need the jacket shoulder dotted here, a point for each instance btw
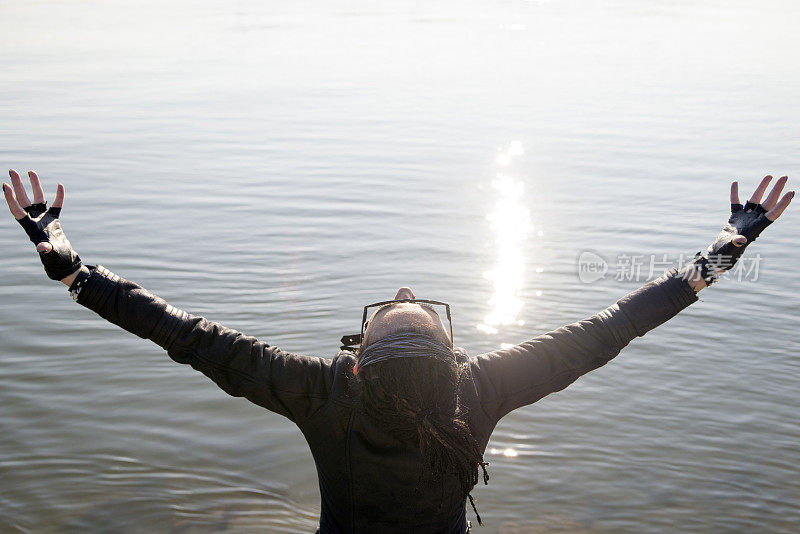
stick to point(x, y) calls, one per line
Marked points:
point(344, 379)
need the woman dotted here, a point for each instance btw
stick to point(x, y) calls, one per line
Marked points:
point(398, 420)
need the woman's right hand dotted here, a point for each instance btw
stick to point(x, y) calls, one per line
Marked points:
point(60, 261)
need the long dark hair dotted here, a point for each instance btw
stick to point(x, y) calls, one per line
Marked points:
point(417, 401)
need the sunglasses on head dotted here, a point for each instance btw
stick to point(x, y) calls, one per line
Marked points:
point(353, 342)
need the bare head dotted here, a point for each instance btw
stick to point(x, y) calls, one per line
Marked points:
point(405, 317)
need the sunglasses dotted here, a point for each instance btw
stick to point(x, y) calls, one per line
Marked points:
point(353, 342)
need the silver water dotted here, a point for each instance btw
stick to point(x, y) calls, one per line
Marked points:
point(275, 166)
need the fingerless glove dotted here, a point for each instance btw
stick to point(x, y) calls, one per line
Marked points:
point(748, 220)
point(42, 226)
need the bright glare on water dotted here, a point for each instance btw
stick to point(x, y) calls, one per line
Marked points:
point(509, 220)
point(275, 166)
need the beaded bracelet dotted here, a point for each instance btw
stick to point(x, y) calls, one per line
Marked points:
point(708, 273)
point(78, 283)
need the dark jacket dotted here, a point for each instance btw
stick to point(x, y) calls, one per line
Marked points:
point(369, 481)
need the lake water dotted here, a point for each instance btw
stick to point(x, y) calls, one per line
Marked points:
point(275, 166)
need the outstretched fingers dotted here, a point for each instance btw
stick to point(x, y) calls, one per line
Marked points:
point(735, 193)
point(759, 192)
point(36, 186)
point(19, 189)
point(55, 209)
point(774, 195)
point(59, 201)
point(775, 212)
point(13, 205)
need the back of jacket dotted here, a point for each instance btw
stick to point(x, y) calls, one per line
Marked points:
point(370, 482)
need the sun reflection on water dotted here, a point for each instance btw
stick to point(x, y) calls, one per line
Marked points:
point(510, 222)
point(508, 453)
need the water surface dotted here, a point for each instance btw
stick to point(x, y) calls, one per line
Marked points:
point(276, 166)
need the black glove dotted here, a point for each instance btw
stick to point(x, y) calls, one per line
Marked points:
point(723, 254)
point(42, 226)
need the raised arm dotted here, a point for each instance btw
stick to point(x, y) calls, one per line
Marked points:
point(290, 384)
point(510, 378)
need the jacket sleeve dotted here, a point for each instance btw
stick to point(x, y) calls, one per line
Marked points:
point(290, 384)
point(510, 378)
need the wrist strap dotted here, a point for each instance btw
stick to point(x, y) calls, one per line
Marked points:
point(707, 271)
point(79, 282)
